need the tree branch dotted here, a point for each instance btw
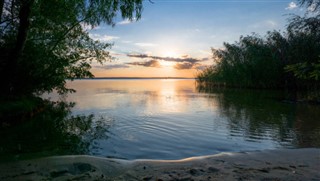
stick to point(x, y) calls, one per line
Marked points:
point(67, 32)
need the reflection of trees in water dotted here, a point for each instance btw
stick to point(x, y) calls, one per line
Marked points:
point(256, 114)
point(307, 125)
point(53, 132)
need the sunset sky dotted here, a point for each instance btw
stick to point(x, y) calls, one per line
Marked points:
point(174, 37)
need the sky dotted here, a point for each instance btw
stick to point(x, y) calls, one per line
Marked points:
point(174, 38)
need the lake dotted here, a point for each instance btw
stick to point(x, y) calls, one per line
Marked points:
point(170, 119)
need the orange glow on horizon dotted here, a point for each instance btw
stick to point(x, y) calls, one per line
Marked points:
point(165, 71)
point(167, 64)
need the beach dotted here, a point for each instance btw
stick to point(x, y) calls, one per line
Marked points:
point(267, 165)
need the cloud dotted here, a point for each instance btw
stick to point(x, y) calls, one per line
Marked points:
point(139, 55)
point(170, 59)
point(126, 21)
point(151, 63)
point(185, 65)
point(113, 66)
point(291, 6)
point(146, 44)
point(271, 23)
point(103, 38)
point(86, 26)
point(185, 62)
point(265, 24)
point(89, 27)
point(126, 41)
point(205, 59)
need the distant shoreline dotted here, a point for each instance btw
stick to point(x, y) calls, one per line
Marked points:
point(135, 78)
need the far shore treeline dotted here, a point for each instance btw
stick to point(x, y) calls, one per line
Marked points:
point(287, 60)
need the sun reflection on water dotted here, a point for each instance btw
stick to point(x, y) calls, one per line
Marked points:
point(164, 95)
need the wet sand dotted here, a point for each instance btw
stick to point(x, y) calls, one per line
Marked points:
point(268, 165)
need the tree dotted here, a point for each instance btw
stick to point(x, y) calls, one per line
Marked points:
point(41, 45)
point(251, 62)
point(281, 60)
point(313, 5)
point(304, 39)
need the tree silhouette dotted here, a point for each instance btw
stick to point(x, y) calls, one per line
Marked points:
point(288, 60)
point(45, 42)
point(313, 5)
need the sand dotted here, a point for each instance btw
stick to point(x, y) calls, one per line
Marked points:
point(268, 165)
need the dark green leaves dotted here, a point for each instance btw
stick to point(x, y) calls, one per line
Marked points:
point(280, 60)
point(57, 45)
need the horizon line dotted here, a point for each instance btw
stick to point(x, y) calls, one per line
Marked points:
point(139, 78)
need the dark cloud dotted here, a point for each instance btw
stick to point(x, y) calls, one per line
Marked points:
point(186, 65)
point(185, 62)
point(205, 59)
point(114, 66)
point(151, 63)
point(170, 59)
point(138, 55)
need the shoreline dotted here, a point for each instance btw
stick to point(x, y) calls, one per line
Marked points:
point(282, 164)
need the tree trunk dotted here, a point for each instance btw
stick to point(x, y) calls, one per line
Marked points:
point(1, 9)
point(24, 19)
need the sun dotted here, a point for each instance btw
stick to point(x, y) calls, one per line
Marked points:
point(168, 53)
point(171, 54)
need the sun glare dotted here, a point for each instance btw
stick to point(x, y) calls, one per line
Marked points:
point(171, 54)
point(168, 53)
point(166, 63)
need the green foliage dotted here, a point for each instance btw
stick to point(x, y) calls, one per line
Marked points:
point(56, 45)
point(313, 5)
point(20, 106)
point(251, 62)
point(287, 60)
point(305, 71)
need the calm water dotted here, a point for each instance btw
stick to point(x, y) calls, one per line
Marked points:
point(173, 119)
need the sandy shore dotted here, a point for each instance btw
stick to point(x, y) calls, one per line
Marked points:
point(269, 165)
